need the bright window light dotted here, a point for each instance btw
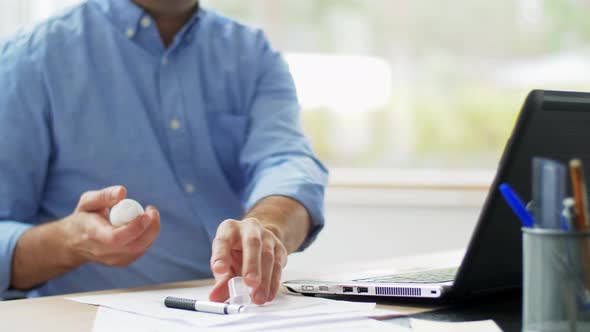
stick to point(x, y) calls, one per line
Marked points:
point(341, 83)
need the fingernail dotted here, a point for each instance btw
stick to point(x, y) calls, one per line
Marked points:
point(218, 265)
point(260, 297)
point(252, 277)
point(145, 221)
point(115, 192)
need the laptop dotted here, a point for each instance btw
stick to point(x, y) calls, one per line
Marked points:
point(551, 124)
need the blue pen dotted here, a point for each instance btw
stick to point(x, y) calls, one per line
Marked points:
point(517, 205)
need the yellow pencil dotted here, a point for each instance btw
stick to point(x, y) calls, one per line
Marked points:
point(580, 194)
point(581, 208)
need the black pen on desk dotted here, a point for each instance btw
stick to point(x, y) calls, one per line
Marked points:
point(203, 306)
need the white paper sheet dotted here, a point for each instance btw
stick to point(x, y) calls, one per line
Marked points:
point(419, 325)
point(110, 320)
point(283, 309)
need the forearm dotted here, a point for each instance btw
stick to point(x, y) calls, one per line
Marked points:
point(285, 217)
point(41, 254)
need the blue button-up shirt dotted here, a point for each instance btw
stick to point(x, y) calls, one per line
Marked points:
point(202, 129)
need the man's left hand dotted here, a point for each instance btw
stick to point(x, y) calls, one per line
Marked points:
point(247, 248)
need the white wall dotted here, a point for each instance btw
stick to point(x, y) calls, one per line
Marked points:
point(378, 224)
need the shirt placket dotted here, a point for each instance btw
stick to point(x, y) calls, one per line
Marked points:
point(177, 129)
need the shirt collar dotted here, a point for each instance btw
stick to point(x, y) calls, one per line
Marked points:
point(126, 15)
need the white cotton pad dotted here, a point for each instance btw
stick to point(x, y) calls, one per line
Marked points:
point(124, 212)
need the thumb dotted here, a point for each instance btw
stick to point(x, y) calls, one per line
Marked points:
point(220, 292)
point(97, 201)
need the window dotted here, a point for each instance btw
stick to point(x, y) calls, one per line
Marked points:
point(421, 84)
point(393, 84)
point(16, 14)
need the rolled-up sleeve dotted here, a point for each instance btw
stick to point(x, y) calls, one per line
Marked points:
point(277, 158)
point(10, 232)
point(24, 150)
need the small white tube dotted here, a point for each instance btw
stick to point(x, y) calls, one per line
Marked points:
point(239, 292)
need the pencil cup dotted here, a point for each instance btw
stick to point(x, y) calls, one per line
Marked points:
point(556, 294)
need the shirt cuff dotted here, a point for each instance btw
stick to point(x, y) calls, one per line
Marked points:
point(10, 232)
point(311, 196)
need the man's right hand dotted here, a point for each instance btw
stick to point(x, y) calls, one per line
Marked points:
point(92, 238)
point(46, 251)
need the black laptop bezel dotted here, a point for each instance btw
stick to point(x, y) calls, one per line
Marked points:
point(475, 265)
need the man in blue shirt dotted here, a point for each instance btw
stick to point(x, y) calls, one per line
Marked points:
point(169, 104)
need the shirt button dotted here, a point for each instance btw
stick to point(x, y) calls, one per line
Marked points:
point(174, 124)
point(146, 22)
point(165, 61)
point(130, 32)
point(189, 188)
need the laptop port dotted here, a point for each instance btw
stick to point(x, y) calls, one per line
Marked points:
point(362, 290)
point(323, 288)
point(346, 289)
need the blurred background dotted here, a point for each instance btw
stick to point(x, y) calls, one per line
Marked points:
point(407, 84)
point(408, 102)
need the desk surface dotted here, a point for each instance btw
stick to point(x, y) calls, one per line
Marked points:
point(54, 313)
point(58, 314)
point(505, 310)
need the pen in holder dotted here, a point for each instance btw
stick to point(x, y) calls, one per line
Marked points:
point(556, 293)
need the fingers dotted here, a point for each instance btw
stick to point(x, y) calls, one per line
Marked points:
point(281, 255)
point(228, 234)
point(251, 234)
point(275, 282)
point(121, 236)
point(280, 262)
point(120, 246)
point(98, 201)
point(248, 249)
point(267, 260)
point(93, 238)
point(147, 238)
point(220, 291)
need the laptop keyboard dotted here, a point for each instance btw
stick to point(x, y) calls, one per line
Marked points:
point(430, 276)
